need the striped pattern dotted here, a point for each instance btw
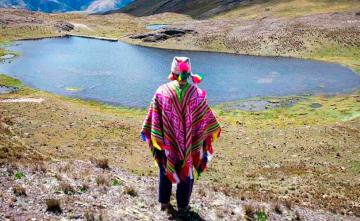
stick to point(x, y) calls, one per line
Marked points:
point(180, 128)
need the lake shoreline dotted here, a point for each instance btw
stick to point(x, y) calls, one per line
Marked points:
point(140, 44)
point(260, 98)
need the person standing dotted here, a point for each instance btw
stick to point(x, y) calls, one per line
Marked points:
point(180, 128)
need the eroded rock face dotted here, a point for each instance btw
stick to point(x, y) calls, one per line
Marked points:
point(64, 26)
point(162, 34)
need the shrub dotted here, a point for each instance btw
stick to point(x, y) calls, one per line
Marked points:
point(66, 188)
point(130, 191)
point(116, 182)
point(19, 175)
point(297, 216)
point(277, 209)
point(288, 204)
point(202, 192)
point(19, 191)
point(84, 187)
point(103, 163)
point(53, 205)
point(261, 215)
point(249, 211)
point(65, 168)
point(102, 181)
point(41, 167)
point(89, 215)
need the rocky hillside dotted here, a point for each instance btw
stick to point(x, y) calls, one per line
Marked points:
point(237, 8)
point(65, 5)
point(297, 164)
point(198, 8)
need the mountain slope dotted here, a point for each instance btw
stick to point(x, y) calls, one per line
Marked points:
point(65, 5)
point(194, 8)
point(238, 8)
point(106, 5)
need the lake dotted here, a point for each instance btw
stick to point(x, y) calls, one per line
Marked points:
point(122, 74)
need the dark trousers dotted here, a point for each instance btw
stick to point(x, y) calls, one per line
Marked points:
point(183, 190)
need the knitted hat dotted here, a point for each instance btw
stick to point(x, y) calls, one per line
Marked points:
point(180, 65)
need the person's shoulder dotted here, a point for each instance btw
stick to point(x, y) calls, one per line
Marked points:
point(162, 89)
point(198, 92)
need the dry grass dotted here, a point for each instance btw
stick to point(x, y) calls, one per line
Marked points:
point(297, 216)
point(102, 180)
point(131, 191)
point(19, 190)
point(249, 211)
point(202, 192)
point(65, 168)
point(285, 8)
point(53, 205)
point(84, 187)
point(103, 164)
point(40, 167)
point(89, 215)
point(245, 152)
point(67, 188)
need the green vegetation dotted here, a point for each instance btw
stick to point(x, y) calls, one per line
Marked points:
point(356, 166)
point(106, 108)
point(84, 188)
point(27, 32)
point(333, 109)
point(117, 182)
point(337, 53)
point(9, 81)
point(261, 216)
point(2, 52)
point(19, 175)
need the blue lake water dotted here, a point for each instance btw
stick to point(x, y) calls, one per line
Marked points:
point(123, 74)
point(156, 27)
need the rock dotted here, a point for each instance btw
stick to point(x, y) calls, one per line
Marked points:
point(162, 34)
point(64, 26)
point(155, 38)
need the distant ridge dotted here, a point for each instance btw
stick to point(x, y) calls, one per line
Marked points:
point(50, 6)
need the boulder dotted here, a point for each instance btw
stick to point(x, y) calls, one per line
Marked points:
point(162, 34)
point(64, 26)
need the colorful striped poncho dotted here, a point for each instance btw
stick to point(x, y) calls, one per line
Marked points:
point(179, 129)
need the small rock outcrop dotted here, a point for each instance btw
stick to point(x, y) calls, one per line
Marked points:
point(64, 26)
point(162, 34)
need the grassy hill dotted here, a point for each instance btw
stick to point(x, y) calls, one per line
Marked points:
point(289, 8)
